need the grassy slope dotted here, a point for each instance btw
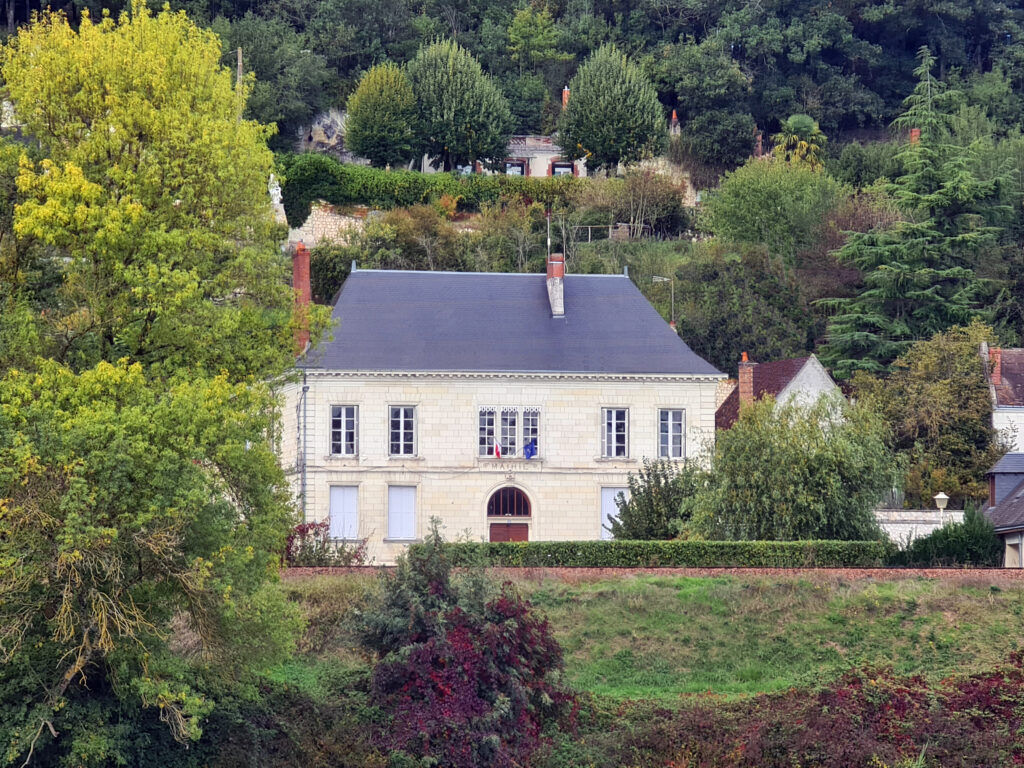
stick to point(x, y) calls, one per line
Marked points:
point(659, 637)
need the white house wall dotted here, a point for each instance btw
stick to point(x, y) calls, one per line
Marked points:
point(563, 483)
point(1010, 421)
point(809, 384)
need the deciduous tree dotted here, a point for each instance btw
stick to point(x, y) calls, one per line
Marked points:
point(154, 189)
point(462, 116)
point(382, 117)
point(938, 404)
point(794, 472)
point(613, 115)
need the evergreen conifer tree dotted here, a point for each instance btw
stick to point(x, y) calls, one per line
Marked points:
point(919, 274)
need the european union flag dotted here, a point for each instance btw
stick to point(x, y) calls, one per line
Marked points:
point(530, 449)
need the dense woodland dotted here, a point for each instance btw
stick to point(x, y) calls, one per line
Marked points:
point(725, 65)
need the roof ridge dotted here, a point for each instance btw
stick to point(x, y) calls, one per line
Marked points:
point(360, 270)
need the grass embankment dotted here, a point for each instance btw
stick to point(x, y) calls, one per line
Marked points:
point(659, 637)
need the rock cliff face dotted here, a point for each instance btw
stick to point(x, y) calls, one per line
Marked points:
point(327, 135)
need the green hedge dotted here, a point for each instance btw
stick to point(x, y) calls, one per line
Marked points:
point(691, 554)
point(312, 176)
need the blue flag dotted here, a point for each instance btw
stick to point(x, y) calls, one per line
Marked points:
point(530, 449)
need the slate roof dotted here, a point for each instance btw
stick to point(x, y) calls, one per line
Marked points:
point(1011, 464)
point(1011, 388)
point(498, 322)
point(1008, 514)
point(769, 379)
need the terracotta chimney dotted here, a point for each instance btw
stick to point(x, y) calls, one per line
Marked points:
point(565, 97)
point(303, 294)
point(746, 377)
point(556, 278)
point(995, 361)
point(915, 135)
point(673, 125)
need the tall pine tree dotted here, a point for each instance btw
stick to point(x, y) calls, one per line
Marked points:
point(919, 274)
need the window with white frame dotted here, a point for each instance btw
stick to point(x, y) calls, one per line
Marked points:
point(671, 431)
point(402, 512)
point(344, 430)
point(403, 430)
point(615, 432)
point(509, 431)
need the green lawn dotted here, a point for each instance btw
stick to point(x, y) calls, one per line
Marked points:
point(659, 637)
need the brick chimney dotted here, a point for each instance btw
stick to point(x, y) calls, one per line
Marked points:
point(556, 278)
point(565, 97)
point(915, 135)
point(746, 377)
point(303, 295)
point(995, 360)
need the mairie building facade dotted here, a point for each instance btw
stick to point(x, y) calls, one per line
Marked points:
point(509, 406)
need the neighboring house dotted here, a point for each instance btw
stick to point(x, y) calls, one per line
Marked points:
point(528, 156)
point(801, 379)
point(1006, 506)
point(1006, 384)
point(509, 406)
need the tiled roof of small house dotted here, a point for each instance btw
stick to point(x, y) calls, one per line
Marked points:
point(1010, 463)
point(498, 322)
point(1008, 514)
point(1010, 390)
point(769, 379)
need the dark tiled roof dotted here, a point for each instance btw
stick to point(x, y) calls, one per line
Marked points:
point(1011, 463)
point(1011, 388)
point(769, 379)
point(473, 321)
point(1008, 514)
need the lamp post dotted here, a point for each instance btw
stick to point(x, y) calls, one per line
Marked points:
point(941, 500)
point(672, 289)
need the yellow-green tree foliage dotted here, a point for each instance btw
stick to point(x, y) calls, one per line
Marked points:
point(142, 508)
point(381, 116)
point(154, 189)
point(938, 403)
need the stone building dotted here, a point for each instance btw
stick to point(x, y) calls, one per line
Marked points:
point(801, 380)
point(509, 406)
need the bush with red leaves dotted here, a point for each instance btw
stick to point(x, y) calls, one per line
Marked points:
point(470, 678)
point(866, 719)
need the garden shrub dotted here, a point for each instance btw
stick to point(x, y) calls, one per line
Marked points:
point(310, 545)
point(971, 542)
point(470, 678)
point(869, 718)
point(312, 176)
point(680, 554)
point(656, 493)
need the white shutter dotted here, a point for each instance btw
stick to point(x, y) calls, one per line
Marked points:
point(401, 512)
point(344, 512)
point(609, 509)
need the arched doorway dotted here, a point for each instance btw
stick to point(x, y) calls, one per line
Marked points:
point(508, 509)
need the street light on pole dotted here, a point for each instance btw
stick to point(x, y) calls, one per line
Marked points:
point(672, 289)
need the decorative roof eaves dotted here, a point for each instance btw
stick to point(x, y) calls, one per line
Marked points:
point(553, 375)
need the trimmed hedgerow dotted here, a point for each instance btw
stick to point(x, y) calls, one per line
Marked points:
point(686, 554)
point(311, 176)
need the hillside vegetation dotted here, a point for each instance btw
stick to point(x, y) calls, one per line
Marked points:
point(661, 637)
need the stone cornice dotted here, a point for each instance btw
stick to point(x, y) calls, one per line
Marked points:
point(509, 375)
